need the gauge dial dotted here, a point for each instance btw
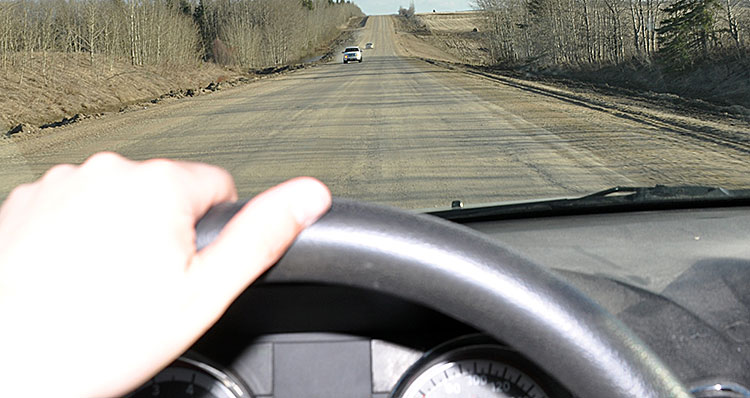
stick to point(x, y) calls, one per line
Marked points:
point(476, 378)
point(191, 378)
point(476, 367)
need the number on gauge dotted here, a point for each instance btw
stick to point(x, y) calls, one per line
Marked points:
point(475, 378)
point(475, 366)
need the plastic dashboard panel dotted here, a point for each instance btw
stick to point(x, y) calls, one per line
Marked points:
point(312, 325)
point(679, 278)
point(321, 364)
point(363, 341)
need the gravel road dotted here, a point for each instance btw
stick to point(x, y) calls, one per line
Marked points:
point(393, 130)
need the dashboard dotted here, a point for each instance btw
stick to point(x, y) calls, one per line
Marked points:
point(365, 345)
point(680, 279)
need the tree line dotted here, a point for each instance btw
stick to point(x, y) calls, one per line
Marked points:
point(247, 33)
point(575, 33)
point(254, 33)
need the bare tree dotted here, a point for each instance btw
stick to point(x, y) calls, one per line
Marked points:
point(258, 33)
point(160, 32)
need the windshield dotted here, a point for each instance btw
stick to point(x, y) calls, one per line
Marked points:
point(502, 100)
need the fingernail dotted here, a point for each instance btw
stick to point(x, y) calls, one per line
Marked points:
point(313, 200)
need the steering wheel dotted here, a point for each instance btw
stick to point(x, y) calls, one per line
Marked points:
point(480, 282)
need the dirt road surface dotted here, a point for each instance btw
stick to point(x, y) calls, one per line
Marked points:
point(393, 130)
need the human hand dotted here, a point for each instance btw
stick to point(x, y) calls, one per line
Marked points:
point(100, 282)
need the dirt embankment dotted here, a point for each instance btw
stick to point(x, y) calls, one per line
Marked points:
point(72, 88)
point(62, 88)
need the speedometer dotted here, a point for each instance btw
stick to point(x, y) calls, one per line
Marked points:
point(474, 378)
point(477, 368)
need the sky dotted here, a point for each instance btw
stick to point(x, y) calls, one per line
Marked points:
point(375, 7)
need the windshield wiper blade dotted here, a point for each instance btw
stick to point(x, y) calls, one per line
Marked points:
point(619, 198)
point(665, 191)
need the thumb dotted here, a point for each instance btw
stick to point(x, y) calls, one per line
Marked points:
point(254, 239)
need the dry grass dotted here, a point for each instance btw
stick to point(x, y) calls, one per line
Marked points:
point(457, 22)
point(452, 33)
point(68, 85)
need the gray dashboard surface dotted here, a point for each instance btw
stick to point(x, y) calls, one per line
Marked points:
point(680, 278)
point(648, 250)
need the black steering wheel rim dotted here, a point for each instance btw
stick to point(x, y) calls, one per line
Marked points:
point(433, 262)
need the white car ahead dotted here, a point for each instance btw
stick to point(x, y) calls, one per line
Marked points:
point(352, 54)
